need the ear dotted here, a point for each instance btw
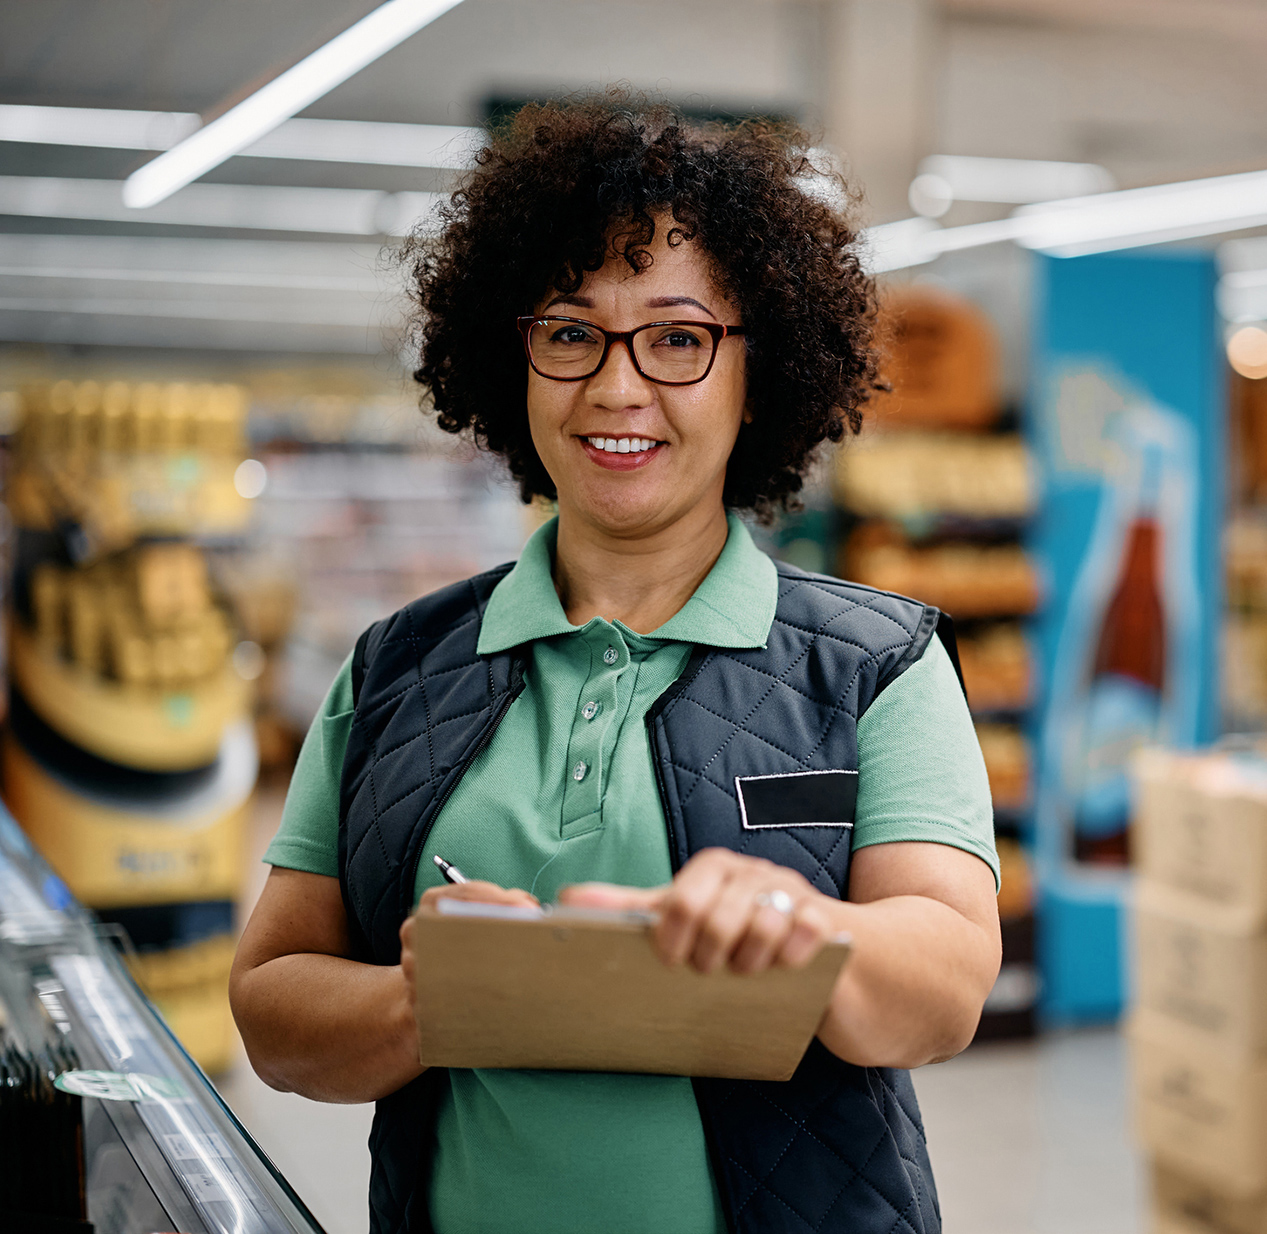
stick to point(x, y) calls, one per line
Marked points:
point(747, 414)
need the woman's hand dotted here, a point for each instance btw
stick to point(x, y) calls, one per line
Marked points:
point(475, 889)
point(922, 918)
point(726, 909)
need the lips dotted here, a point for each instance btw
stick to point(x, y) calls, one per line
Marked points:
point(621, 453)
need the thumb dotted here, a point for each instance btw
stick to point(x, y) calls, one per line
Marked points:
point(611, 896)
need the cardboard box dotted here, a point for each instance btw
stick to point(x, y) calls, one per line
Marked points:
point(1205, 966)
point(1201, 827)
point(1177, 1223)
point(1182, 1202)
point(1194, 1110)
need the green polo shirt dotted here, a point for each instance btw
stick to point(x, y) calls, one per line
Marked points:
point(565, 793)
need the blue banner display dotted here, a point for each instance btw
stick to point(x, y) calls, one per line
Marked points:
point(1127, 426)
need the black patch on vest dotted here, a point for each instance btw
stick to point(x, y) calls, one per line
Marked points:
point(797, 799)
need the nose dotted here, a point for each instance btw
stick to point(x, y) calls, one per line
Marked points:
point(618, 384)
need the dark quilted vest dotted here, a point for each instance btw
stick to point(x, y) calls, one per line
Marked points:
point(837, 1147)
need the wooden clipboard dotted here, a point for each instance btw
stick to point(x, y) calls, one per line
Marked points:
point(582, 991)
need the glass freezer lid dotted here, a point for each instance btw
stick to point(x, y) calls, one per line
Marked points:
point(160, 1143)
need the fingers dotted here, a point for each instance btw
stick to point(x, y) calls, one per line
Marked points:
point(485, 893)
point(727, 909)
point(689, 901)
point(612, 897)
point(721, 909)
point(407, 950)
point(751, 920)
point(759, 946)
point(811, 929)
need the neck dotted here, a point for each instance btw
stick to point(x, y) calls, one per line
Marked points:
point(640, 581)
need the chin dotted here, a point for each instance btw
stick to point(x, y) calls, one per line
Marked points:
point(626, 513)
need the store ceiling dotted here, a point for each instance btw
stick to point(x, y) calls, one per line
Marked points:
point(279, 216)
point(1231, 18)
point(161, 54)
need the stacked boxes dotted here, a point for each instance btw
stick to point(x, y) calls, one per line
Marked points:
point(128, 753)
point(1199, 1030)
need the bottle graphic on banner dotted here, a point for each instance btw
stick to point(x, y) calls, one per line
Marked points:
point(1126, 686)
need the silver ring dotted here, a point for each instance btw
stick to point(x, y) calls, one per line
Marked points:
point(779, 900)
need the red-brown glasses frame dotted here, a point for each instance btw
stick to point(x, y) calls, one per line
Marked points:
point(716, 332)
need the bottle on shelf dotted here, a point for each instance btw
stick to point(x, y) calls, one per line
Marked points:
point(1126, 687)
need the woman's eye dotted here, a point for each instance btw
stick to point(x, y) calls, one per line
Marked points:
point(679, 338)
point(571, 334)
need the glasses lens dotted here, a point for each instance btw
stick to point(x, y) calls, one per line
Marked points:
point(564, 348)
point(674, 352)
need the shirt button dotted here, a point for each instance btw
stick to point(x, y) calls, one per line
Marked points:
point(591, 709)
point(578, 772)
point(611, 655)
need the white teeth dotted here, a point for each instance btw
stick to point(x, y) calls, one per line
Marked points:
point(621, 445)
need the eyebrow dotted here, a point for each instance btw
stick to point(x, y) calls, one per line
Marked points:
point(657, 303)
point(677, 301)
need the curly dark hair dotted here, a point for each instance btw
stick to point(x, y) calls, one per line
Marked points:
point(562, 187)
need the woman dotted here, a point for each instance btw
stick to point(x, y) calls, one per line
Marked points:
point(656, 327)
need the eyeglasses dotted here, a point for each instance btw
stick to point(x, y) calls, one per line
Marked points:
point(670, 353)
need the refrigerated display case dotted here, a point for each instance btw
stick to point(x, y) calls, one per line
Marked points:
point(161, 1149)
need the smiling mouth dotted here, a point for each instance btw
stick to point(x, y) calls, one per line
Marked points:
point(622, 445)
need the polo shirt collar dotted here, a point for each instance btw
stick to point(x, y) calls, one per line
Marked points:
point(733, 607)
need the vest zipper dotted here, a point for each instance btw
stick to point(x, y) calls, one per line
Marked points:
point(513, 692)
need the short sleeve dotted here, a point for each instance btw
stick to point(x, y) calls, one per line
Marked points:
point(921, 775)
point(308, 837)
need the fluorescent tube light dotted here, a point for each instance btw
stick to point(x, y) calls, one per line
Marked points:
point(105, 127)
point(1243, 256)
point(897, 246)
point(1243, 297)
point(251, 207)
point(446, 146)
point(1101, 223)
point(1014, 181)
point(290, 92)
point(297, 311)
point(284, 265)
point(1155, 215)
point(171, 291)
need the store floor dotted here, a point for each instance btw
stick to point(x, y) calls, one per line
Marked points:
point(1026, 1138)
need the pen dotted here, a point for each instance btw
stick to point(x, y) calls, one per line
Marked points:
point(451, 873)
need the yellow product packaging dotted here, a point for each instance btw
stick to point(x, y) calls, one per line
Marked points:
point(113, 853)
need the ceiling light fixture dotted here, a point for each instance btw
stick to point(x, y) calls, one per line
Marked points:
point(1154, 215)
point(1102, 223)
point(1242, 289)
point(241, 126)
point(107, 128)
point(249, 207)
point(446, 146)
point(946, 178)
